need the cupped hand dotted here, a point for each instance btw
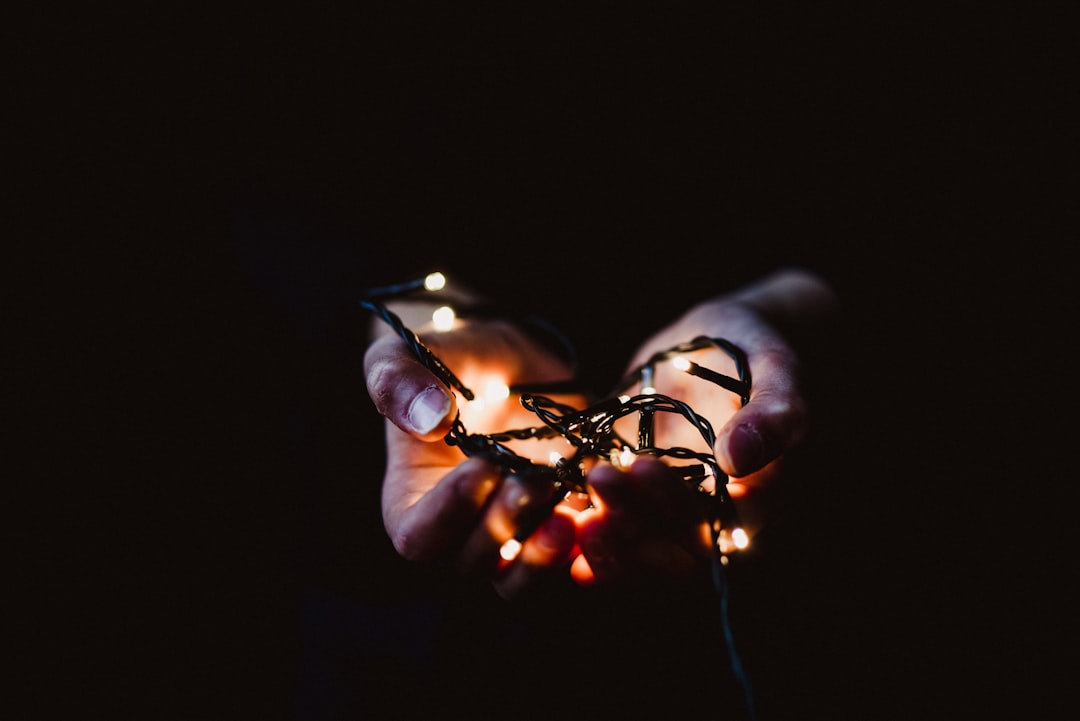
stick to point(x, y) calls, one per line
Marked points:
point(646, 522)
point(645, 526)
point(438, 505)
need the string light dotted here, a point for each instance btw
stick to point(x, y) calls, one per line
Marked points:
point(434, 281)
point(591, 433)
point(510, 550)
point(443, 318)
point(496, 390)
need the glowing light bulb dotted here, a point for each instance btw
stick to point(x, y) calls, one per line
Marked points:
point(510, 550)
point(734, 540)
point(496, 391)
point(435, 281)
point(490, 393)
point(554, 457)
point(621, 457)
point(443, 318)
point(680, 363)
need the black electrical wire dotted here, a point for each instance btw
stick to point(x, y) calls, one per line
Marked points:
point(421, 351)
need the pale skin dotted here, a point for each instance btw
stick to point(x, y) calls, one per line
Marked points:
point(644, 525)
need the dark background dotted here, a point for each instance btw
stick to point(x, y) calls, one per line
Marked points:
point(915, 157)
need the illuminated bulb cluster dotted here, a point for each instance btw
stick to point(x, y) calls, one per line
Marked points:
point(590, 431)
point(735, 539)
point(443, 317)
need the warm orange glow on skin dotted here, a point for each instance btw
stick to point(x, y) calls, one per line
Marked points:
point(736, 490)
point(581, 572)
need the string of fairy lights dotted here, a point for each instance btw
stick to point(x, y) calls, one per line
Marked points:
point(592, 434)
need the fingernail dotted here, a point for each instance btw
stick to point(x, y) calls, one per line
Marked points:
point(746, 449)
point(428, 409)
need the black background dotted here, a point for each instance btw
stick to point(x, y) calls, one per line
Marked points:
point(916, 156)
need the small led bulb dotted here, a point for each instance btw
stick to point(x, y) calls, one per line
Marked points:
point(554, 457)
point(680, 363)
point(443, 318)
point(435, 281)
point(647, 387)
point(510, 550)
point(733, 540)
point(496, 391)
point(621, 457)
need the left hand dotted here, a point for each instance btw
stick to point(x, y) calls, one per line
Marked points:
point(648, 523)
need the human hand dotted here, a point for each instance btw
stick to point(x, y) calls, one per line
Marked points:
point(437, 506)
point(646, 522)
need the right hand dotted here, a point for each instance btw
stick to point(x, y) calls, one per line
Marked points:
point(437, 504)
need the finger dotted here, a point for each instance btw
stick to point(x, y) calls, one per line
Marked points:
point(608, 556)
point(609, 534)
point(668, 499)
point(406, 392)
point(774, 421)
point(648, 496)
point(757, 498)
point(600, 543)
point(519, 506)
point(545, 553)
point(430, 522)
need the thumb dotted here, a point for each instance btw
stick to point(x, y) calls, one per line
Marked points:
point(774, 421)
point(406, 392)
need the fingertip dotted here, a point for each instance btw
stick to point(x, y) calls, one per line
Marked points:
point(582, 572)
point(649, 468)
point(743, 450)
point(556, 537)
point(474, 480)
point(608, 484)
